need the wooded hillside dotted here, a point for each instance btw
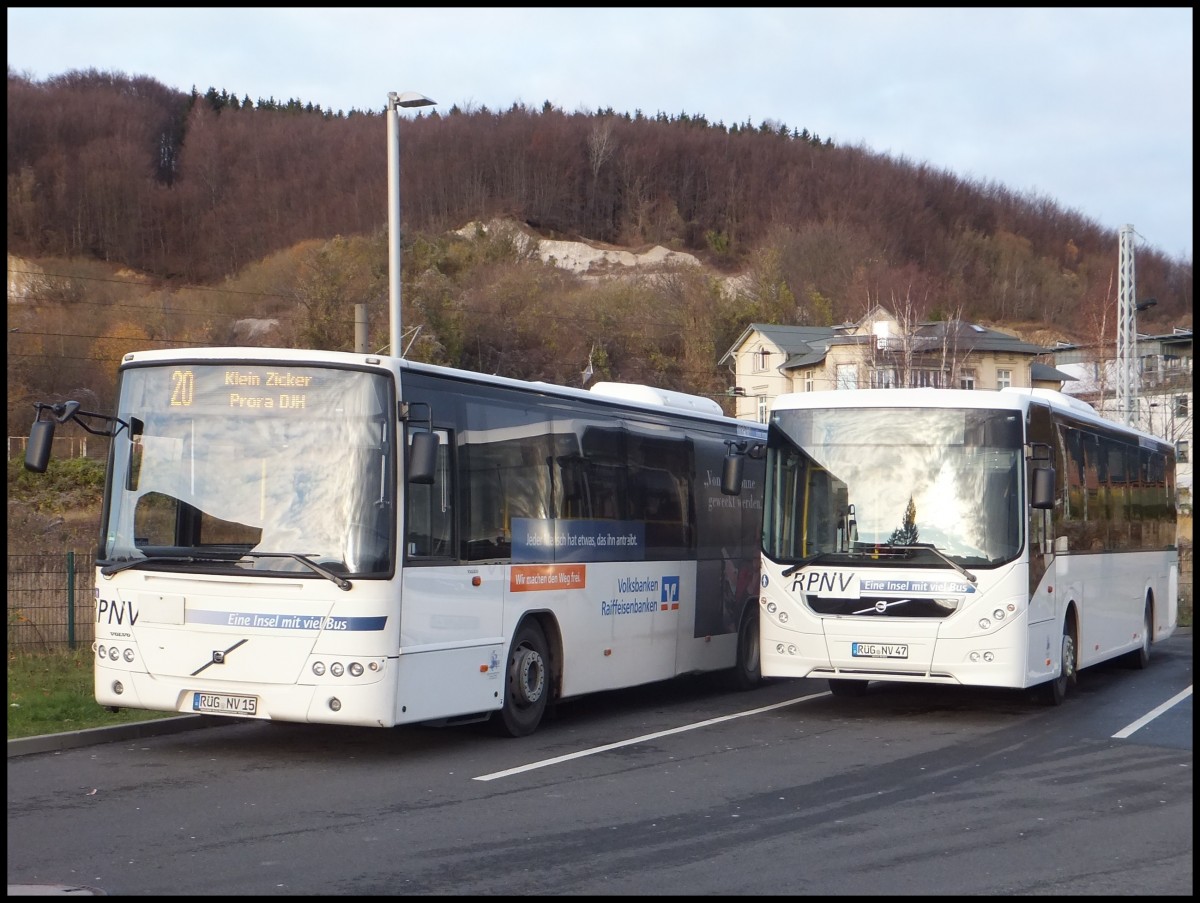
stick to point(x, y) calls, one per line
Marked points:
point(141, 216)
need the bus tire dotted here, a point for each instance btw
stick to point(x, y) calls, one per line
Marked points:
point(1055, 691)
point(747, 672)
point(1140, 657)
point(526, 683)
point(844, 687)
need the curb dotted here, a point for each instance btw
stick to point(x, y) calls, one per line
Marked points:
point(26, 746)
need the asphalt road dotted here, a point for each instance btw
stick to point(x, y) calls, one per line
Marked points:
point(675, 788)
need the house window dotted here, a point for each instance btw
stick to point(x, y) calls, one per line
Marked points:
point(760, 360)
point(1181, 451)
point(883, 378)
point(1181, 405)
point(931, 378)
point(966, 379)
point(808, 381)
point(847, 376)
point(762, 408)
point(1003, 379)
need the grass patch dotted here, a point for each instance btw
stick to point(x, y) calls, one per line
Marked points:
point(52, 692)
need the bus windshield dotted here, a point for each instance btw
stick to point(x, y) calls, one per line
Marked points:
point(263, 466)
point(879, 484)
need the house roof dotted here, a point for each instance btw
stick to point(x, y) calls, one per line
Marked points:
point(789, 338)
point(807, 345)
point(1042, 371)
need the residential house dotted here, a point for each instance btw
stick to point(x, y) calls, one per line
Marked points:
point(879, 352)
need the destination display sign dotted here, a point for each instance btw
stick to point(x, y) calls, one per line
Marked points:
point(245, 387)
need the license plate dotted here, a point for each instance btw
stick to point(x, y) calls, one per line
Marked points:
point(224, 704)
point(879, 650)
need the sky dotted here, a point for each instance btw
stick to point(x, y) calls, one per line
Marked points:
point(1090, 109)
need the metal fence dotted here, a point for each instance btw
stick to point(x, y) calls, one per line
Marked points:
point(50, 601)
point(63, 447)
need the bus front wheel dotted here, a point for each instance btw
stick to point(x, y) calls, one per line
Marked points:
point(526, 683)
point(1055, 691)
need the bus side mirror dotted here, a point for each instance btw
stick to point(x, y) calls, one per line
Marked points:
point(422, 458)
point(731, 475)
point(1043, 488)
point(37, 448)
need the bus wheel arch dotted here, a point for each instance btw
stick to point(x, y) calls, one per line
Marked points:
point(530, 680)
point(1054, 691)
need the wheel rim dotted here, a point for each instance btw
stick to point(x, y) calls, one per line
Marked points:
point(1068, 658)
point(528, 677)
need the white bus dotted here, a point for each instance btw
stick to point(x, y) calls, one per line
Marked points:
point(283, 539)
point(997, 539)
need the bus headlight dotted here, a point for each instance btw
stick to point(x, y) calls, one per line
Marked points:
point(319, 669)
point(127, 655)
point(356, 669)
point(984, 623)
point(336, 669)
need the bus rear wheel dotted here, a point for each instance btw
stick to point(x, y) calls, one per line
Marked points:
point(747, 672)
point(1140, 658)
point(526, 683)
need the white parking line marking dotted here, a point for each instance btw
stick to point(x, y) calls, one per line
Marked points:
point(1151, 715)
point(675, 730)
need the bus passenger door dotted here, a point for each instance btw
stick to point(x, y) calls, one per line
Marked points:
point(444, 601)
point(1042, 522)
point(451, 644)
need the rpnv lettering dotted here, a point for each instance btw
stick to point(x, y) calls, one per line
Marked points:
point(817, 582)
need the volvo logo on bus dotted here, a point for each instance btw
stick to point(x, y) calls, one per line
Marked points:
point(881, 606)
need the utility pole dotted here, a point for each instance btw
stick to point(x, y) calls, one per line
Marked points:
point(1126, 363)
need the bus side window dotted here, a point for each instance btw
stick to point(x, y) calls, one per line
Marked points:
point(429, 517)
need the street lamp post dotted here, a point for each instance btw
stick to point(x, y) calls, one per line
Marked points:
point(395, 102)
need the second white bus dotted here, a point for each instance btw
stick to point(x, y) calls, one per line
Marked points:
point(999, 539)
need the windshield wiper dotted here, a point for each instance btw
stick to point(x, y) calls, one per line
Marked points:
point(110, 569)
point(930, 547)
point(342, 582)
point(802, 563)
point(124, 564)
